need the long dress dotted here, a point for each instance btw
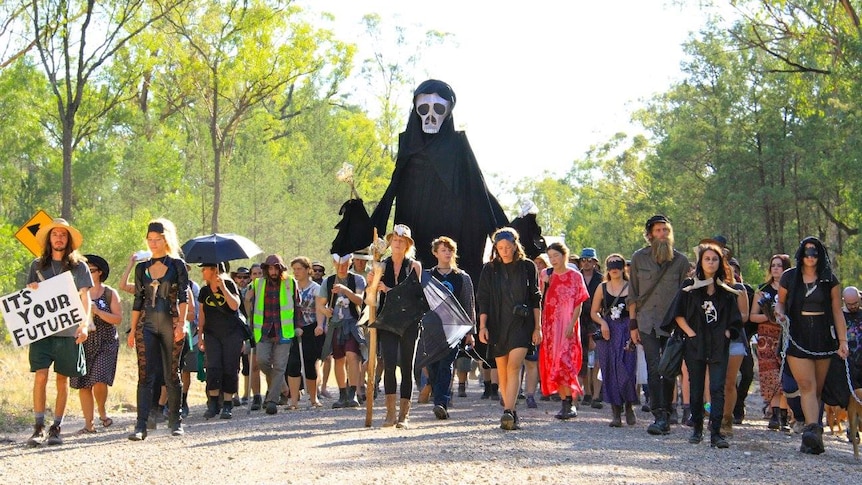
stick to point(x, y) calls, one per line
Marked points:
point(101, 349)
point(618, 365)
point(561, 357)
point(768, 341)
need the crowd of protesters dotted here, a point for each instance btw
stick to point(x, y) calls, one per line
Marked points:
point(556, 323)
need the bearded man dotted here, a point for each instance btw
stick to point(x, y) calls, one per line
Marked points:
point(657, 273)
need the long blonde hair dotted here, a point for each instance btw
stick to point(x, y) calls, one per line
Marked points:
point(169, 231)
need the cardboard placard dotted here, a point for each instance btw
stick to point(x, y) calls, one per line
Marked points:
point(32, 315)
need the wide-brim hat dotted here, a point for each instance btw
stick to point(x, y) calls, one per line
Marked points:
point(240, 270)
point(44, 231)
point(100, 263)
point(273, 260)
point(403, 231)
point(363, 254)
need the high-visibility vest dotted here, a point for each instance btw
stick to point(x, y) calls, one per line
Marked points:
point(285, 303)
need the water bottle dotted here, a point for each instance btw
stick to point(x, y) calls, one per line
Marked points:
point(143, 255)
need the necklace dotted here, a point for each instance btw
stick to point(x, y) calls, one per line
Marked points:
point(54, 268)
point(443, 271)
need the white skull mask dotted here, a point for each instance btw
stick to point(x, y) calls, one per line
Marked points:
point(433, 110)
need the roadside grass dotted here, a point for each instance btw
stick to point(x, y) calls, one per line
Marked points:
point(16, 389)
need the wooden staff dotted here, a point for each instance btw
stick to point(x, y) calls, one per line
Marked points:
point(371, 301)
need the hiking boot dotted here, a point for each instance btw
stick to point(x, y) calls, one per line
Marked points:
point(812, 439)
point(243, 401)
point(271, 407)
point(686, 415)
point(226, 410)
point(487, 392)
point(660, 426)
point(37, 437)
point(54, 438)
point(531, 402)
point(255, 403)
point(567, 410)
point(441, 412)
point(495, 392)
point(462, 389)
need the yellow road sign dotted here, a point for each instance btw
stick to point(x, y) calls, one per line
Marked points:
point(27, 233)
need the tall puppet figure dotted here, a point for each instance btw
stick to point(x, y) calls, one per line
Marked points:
point(437, 186)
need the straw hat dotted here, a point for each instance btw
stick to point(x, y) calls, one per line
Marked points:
point(44, 231)
point(403, 231)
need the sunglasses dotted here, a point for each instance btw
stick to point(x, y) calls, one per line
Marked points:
point(243, 276)
point(811, 253)
point(316, 270)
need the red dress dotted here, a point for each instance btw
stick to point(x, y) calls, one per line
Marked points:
point(560, 357)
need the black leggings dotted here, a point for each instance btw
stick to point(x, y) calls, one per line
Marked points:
point(222, 354)
point(155, 347)
point(311, 348)
point(398, 351)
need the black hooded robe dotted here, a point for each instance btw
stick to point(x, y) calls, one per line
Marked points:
point(439, 190)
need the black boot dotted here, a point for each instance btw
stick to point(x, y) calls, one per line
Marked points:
point(212, 407)
point(812, 439)
point(696, 434)
point(673, 418)
point(342, 399)
point(567, 410)
point(716, 439)
point(660, 426)
point(227, 410)
point(775, 420)
point(495, 391)
point(784, 421)
point(686, 415)
point(617, 420)
point(487, 392)
point(351, 401)
point(462, 389)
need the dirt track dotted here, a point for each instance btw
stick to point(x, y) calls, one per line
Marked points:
point(332, 446)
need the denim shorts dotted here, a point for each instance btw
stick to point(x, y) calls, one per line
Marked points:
point(737, 348)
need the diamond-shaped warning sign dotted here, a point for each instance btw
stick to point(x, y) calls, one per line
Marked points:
point(27, 233)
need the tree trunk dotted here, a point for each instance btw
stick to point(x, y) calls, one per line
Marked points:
point(68, 127)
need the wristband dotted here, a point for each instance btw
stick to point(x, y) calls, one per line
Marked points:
point(633, 324)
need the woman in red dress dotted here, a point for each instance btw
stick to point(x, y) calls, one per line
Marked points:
point(560, 358)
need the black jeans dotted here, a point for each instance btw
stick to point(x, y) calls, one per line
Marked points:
point(398, 351)
point(697, 370)
point(660, 389)
point(746, 372)
point(154, 343)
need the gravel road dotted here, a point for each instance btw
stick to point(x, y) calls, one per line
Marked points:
point(333, 446)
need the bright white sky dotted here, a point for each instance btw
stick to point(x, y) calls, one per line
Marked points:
point(537, 83)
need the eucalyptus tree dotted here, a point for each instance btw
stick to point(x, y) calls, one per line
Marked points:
point(233, 56)
point(74, 39)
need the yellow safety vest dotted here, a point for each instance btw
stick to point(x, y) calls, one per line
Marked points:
point(285, 300)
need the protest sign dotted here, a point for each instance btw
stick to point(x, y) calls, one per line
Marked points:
point(32, 315)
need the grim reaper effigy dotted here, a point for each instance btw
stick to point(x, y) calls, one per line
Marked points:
point(437, 186)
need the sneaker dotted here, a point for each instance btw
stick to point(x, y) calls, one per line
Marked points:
point(674, 416)
point(441, 412)
point(255, 403)
point(139, 434)
point(271, 408)
point(597, 404)
point(243, 401)
point(151, 420)
point(718, 441)
point(587, 399)
point(659, 427)
point(184, 410)
point(236, 402)
point(37, 437)
point(531, 402)
point(507, 420)
point(54, 438)
point(177, 430)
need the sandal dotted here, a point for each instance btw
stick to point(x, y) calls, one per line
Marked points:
point(318, 404)
point(291, 407)
point(106, 422)
point(86, 431)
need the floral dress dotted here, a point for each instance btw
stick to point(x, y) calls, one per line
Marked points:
point(560, 358)
point(768, 342)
